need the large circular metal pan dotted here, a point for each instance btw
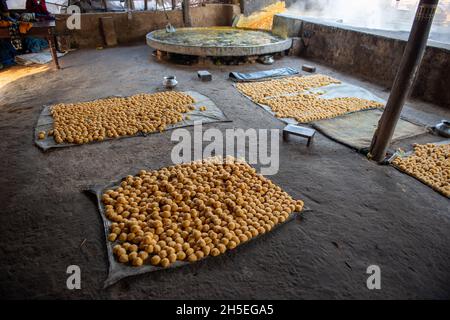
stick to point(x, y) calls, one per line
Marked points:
point(217, 42)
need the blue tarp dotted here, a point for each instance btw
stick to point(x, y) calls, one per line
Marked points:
point(34, 45)
point(7, 53)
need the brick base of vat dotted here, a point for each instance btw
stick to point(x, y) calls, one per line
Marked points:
point(132, 28)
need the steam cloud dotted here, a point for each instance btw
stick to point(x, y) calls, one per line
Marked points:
point(391, 15)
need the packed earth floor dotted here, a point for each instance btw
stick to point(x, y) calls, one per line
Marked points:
point(358, 213)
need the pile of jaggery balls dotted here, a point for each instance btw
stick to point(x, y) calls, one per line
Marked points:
point(117, 116)
point(288, 99)
point(430, 163)
point(190, 211)
point(277, 87)
point(310, 107)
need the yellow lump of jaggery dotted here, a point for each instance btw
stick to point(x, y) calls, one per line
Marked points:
point(430, 163)
point(96, 120)
point(190, 211)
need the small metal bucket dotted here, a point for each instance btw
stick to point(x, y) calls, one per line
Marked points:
point(170, 82)
point(443, 128)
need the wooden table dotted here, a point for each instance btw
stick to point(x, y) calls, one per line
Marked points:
point(43, 29)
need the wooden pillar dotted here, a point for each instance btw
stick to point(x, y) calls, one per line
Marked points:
point(51, 38)
point(406, 73)
point(187, 13)
point(174, 4)
point(130, 5)
point(145, 5)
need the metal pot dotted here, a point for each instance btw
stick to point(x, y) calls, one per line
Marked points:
point(266, 60)
point(170, 82)
point(443, 128)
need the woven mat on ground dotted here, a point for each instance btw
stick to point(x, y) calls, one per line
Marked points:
point(356, 130)
point(211, 114)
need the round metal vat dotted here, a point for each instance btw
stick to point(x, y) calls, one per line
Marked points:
point(217, 42)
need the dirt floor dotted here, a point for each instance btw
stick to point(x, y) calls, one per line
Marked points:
point(360, 213)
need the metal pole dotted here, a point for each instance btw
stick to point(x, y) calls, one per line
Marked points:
point(409, 65)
